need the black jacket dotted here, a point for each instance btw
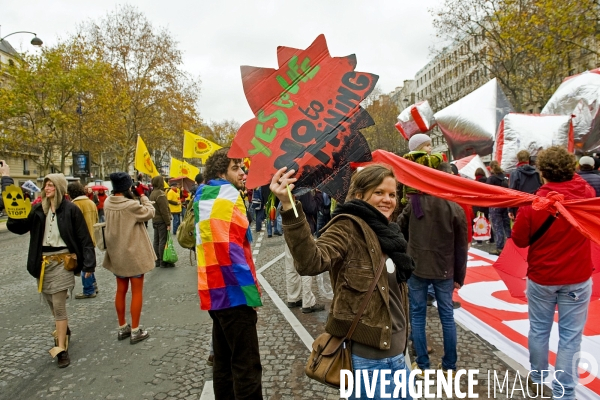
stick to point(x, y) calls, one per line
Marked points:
point(6, 181)
point(592, 179)
point(525, 179)
point(72, 228)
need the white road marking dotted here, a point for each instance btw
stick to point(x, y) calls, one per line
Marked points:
point(273, 261)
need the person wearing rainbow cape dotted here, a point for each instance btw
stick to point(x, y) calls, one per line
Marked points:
point(227, 283)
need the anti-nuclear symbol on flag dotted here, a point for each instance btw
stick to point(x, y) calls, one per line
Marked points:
point(148, 162)
point(17, 206)
point(201, 147)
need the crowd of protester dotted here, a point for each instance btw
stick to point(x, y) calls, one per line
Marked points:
point(420, 241)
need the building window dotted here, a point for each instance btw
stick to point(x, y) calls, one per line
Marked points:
point(25, 167)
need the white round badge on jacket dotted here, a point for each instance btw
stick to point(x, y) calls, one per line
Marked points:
point(390, 266)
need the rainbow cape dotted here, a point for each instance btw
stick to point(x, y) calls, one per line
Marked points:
point(226, 272)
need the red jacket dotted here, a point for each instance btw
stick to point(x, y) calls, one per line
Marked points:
point(562, 256)
point(101, 199)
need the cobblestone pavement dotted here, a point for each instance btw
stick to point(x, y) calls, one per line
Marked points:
point(171, 364)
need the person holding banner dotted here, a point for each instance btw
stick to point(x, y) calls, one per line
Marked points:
point(359, 240)
point(558, 274)
point(60, 247)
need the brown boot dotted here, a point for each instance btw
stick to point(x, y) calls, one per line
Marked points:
point(63, 359)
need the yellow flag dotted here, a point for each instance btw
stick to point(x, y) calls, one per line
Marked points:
point(182, 168)
point(195, 146)
point(143, 163)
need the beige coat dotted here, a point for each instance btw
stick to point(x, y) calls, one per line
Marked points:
point(129, 251)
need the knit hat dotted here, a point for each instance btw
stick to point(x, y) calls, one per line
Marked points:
point(121, 181)
point(586, 160)
point(417, 141)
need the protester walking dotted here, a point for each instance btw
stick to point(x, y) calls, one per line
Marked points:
point(161, 223)
point(102, 196)
point(129, 254)
point(499, 215)
point(358, 244)
point(174, 199)
point(76, 192)
point(60, 246)
point(558, 274)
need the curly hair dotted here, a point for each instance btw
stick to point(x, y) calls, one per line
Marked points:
point(75, 189)
point(556, 164)
point(366, 180)
point(218, 163)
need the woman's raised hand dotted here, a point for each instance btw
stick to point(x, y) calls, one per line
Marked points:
point(278, 186)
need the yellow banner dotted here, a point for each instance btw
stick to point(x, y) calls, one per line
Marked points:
point(143, 163)
point(195, 146)
point(181, 168)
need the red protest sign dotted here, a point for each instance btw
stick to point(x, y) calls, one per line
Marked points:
point(308, 116)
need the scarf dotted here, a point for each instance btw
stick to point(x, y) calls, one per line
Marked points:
point(390, 238)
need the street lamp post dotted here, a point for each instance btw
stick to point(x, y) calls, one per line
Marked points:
point(36, 41)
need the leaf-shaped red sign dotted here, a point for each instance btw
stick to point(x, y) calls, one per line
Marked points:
point(308, 116)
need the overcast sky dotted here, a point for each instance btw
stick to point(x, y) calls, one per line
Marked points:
point(390, 38)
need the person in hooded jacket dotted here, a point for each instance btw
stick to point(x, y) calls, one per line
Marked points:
point(129, 254)
point(161, 221)
point(499, 216)
point(558, 274)
point(57, 232)
point(524, 179)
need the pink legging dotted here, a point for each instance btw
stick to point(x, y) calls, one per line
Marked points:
point(137, 287)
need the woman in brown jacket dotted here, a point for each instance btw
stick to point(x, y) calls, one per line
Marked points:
point(129, 253)
point(351, 248)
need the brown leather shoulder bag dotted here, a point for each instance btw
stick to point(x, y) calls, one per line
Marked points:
point(331, 354)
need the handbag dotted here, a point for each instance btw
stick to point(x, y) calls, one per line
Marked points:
point(331, 354)
point(169, 254)
point(99, 235)
point(69, 261)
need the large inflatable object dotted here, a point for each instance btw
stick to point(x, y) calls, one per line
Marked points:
point(417, 118)
point(531, 132)
point(579, 95)
point(469, 125)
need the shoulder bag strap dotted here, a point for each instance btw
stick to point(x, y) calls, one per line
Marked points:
point(366, 300)
point(540, 232)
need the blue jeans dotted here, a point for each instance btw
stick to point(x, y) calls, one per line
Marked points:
point(573, 302)
point(88, 283)
point(394, 364)
point(260, 216)
point(277, 228)
point(500, 225)
point(176, 222)
point(417, 294)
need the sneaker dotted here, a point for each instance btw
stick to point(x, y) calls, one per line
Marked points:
point(138, 336)
point(315, 308)
point(211, 359)
point(63, 359)
point(167, 265)
point(124, 333)
point(416, 366)
point(430, 300)
point(80, 296)
point(447, 372)
point(279, 233)
point(294, 304)
point(269, 236)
